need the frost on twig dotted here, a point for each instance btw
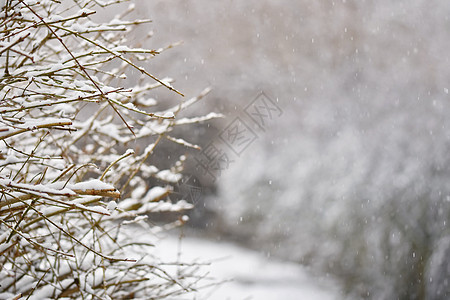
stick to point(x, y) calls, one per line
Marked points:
point(67, 184)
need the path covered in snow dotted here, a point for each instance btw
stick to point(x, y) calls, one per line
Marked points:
point(251, 274)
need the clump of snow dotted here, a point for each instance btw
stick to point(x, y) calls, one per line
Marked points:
point(169, 176)
point(111, 206)
point(156, 193)
point(93, 184)
point(168, 114)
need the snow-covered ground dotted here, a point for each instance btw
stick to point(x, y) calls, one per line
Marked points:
point(248, 274)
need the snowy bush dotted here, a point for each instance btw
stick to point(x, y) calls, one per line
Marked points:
point(71, 146)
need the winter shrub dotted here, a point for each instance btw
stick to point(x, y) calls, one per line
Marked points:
point(72, 139)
